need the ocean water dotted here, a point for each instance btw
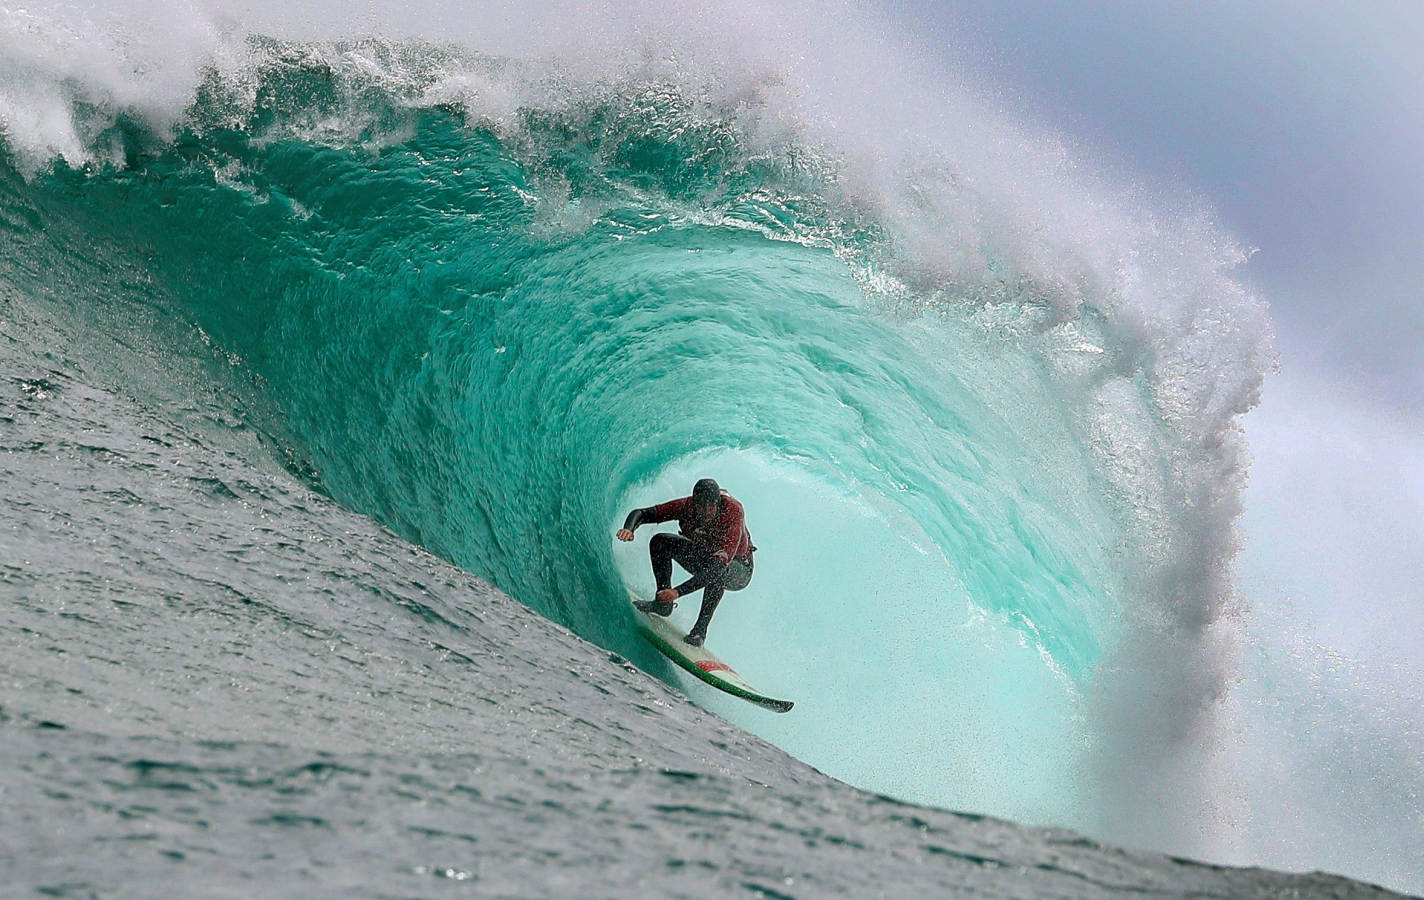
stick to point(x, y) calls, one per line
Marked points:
point(218, 682)
point(331, 362)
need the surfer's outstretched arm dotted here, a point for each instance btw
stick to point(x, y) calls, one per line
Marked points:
point(635, 518)
point(652, 515)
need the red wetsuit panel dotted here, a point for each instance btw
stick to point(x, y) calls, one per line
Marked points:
point(726, 535)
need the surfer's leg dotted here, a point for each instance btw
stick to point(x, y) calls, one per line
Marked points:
point(663, 549)
point(733, 577)
point(739, 575)
point(711, 596)
point(666, 548)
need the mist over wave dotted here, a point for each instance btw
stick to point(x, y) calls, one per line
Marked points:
point(491, 281)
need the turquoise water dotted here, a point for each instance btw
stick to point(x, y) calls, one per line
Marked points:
point(981, 408)
point(495, 347)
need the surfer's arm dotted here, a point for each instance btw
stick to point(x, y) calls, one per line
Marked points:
point(648, 515)
point(637, 517)
point(652, 515)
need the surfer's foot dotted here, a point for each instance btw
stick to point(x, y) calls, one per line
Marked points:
point(694, 639)
point(654, 607)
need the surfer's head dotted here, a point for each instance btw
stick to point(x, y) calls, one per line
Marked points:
point(707, 497)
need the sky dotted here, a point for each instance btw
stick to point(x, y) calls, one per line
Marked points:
point(1302, 125)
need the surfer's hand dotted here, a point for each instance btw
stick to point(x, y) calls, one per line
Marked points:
point(666, 595)
point(625, 534)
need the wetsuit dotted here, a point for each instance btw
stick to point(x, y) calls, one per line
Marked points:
point(718, 553)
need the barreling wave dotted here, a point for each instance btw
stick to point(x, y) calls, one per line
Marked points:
point(981, 408)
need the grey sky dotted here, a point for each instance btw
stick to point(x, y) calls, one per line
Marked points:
point(1303, 126)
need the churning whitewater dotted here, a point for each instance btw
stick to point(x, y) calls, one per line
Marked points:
point(260, 289)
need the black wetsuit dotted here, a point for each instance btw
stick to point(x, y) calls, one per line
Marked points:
point(717, 552)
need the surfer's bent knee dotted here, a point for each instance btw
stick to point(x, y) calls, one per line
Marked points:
point(738, 575)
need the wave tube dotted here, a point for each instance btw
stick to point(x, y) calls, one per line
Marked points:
point(982, 419)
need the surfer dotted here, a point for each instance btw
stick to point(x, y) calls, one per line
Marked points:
point(713, 545)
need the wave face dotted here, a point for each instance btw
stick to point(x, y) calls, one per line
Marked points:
point(981, 408)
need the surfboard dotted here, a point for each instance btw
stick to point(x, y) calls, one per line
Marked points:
point(700, 661)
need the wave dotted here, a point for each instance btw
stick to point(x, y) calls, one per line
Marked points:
point(981, 405)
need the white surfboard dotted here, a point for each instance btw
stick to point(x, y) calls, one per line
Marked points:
point(699, 661)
